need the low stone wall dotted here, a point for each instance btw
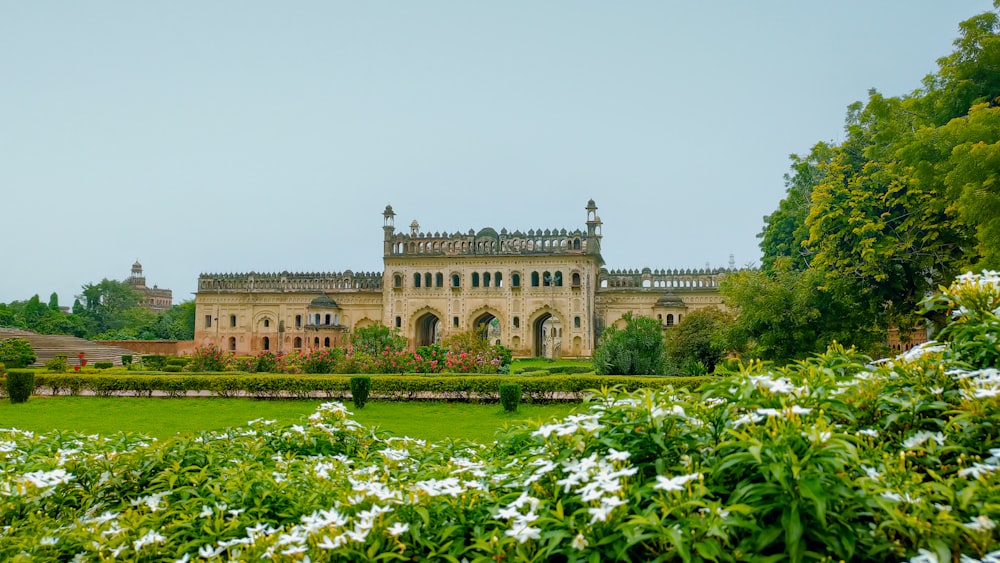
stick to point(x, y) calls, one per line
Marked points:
point(157, 347)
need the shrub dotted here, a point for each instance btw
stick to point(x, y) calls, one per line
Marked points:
point(210, 358)
point(360, 387)
point(16, 352)
point(103, 365)
point(375, 339)
point(20, 385)
point(173, 368)
point(700, 337)
point(637, 349)
point(126, 359)
point(57, 364)
point(154, 362)
point(510, 396)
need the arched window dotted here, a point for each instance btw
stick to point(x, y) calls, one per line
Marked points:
point(416, 280)
point(576, 322)
point(498, 280)
point(456, 280)
point(427, 279)
point(326, 342)
point(397, 281)
point(298, 321)
point(515, 280)
point(316, 320)
point(336, 320)
point(316, 342)
point(475, 279)
point(327, 319)
point(576, 279)
point(266, 343)
point(298, 342)
point(232, 320)
point(517, 322)
point(267, 323)
point(557, 279)
point(232, 343)
point(534, 279)
point(546, 279)
point(439, 280)
point(486, 279)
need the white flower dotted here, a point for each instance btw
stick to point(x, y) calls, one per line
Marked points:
point(150, 538)
point(398, 529)
point(336, 542)
point(924, 556)
point(800, 410)
point(579, 543)
point(977, 470)
point(871, 433)
point(920, 437)
point(209, 551)
point(981, 523)
point(524, 533)
point(615, 455)
point(206, 511)
point(674, 483)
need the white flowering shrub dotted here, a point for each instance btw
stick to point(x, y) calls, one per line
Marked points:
point(834, 458)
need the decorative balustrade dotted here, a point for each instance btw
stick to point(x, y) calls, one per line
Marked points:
point(286, 282)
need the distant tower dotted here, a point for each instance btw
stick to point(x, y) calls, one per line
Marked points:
point(593, 229)
point(137, 280)
point(732, 261)
point(414, 227)
point(389, 227)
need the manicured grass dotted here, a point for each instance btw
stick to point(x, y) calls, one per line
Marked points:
point(529, 364)
point(163, 417)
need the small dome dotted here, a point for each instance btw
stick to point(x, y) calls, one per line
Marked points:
point(323, 302)
point(670, 301)
point(488, 232)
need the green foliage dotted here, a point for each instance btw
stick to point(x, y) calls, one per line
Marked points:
point(126, 359)
point(16, 352)
point(510, 396)
point(827, 459)
point(103, 365)
point(360, 387)
point(700, 338)
point(154, 361)
point(973, 301)
point(20, 385)
point(637, 349)
point(57, 364)
point(786, 314)
point(376, 339)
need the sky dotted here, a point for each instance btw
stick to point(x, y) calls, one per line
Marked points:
point(242, 135)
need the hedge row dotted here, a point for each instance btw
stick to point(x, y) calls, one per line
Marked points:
point(390, 387)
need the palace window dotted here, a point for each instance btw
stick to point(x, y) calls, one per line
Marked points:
point(439, 280)
point(475, 279)
point(232, 343)
point(232, 320)
point(454, 322)
point(326, 342)
point(208, 321)
point(576, 279)
point(298, 321)
point(486, 279)
point(534, 279)
point(576, 322)
point(517, 322)
point(515, 280)
point(328, 317)
point(399, 322)
point(416, 280)
point(397, 281)
point(498, 280)
point(267, 323)
point(298, 342)
point(266, 343)
point(427, 279)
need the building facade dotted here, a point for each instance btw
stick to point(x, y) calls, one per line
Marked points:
point(540, 293)
point(153, 298)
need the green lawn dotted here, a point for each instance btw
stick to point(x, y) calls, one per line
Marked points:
point(162, 417)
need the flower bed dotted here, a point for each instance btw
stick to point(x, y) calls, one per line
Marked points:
point(829, 459)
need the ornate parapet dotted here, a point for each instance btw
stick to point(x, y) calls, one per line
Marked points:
point(704, 278)
point(286, 282)
point(489, 242)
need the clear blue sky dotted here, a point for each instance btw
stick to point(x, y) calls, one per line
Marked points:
point(231, 136)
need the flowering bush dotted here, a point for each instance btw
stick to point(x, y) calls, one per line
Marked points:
point(833, 458)
point(210, 358)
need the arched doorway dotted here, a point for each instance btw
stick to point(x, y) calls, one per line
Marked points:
point(547, 337)
point(428, 330)
point(487, 327)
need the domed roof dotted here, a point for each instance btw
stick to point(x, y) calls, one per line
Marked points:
point(323, 302)
point(669, 300)
point(488, 232)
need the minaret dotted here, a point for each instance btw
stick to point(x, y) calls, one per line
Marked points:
point(593, 229)
point(389, 228)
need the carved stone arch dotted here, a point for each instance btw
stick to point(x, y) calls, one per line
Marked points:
point(426, 326)
point(362, 323)
point(483, 316)
point(545, 324)
point(260, 316)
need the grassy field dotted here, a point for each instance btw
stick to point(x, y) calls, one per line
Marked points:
point(162, 417)
point(529, 364)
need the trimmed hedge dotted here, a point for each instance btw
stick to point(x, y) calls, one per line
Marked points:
point(20, 384)
point(510, 396)
point(536, 389)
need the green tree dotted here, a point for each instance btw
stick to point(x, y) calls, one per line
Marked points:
point(785, 231)
point(700, 337)
point(105, 304)
point(788, 314)
point(16, 353)
point(54, 302)
point(637, 349)
point(375, 339)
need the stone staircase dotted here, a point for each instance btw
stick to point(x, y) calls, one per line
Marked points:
point(46, 347)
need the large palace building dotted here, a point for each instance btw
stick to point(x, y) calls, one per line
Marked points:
point(540, 293)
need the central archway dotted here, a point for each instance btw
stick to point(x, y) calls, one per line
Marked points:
point(547, 336)
point(487, 327)
point(428, 330)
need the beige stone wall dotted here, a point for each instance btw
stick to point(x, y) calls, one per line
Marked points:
point(613, 304)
